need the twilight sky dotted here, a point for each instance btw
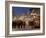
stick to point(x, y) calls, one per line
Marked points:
point(20, 10)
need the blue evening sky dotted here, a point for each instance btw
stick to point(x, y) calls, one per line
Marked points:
point(20, 10)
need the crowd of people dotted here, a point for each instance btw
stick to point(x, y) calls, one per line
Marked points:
point(34, 22)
